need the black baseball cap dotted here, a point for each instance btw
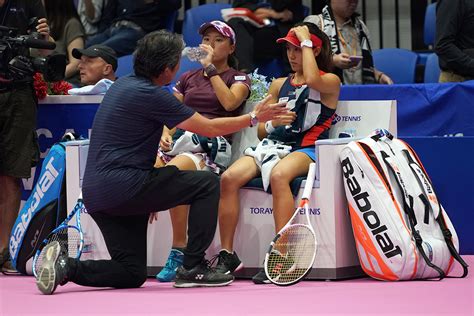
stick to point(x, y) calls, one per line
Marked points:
point(102, 51)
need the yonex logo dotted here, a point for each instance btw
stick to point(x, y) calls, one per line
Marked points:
point(199, 276)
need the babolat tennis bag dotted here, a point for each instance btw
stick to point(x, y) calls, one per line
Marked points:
point(401, 230)
point(43, 211)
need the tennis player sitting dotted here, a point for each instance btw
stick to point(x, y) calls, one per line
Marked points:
point(216, 90)
point(121, 186)
point(286, 148)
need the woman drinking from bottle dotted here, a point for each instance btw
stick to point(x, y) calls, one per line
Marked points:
point(216, 90)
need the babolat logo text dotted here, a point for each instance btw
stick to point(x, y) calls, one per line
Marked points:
point(44, 183)
point(371, 219)
point(346, 118)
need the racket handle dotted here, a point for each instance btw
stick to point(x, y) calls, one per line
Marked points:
point(309, 181)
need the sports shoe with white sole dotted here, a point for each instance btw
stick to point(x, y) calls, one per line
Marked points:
point(53, 270)
point(201, 275)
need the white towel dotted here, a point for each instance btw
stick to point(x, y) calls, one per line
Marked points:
point(266, 155)
point(100, 87)
point(216, 151)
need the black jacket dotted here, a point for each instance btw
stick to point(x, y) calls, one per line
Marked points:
point(455, 36)
point(148, 15)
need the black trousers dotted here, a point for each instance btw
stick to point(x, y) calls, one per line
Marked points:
point(257, 44)
point(125, 228)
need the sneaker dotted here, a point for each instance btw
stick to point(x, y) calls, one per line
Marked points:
point(261, 278)
point(8, 268)
point(175, 260)
point(281, 264)
point(4, 256)
point(53, 270)
point(228, 262)
point(201, 275)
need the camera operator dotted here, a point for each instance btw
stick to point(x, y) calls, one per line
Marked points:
point(18, 144)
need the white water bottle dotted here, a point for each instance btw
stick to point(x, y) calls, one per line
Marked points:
point(194, 53)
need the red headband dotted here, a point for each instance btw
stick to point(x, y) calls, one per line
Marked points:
point(292, 39)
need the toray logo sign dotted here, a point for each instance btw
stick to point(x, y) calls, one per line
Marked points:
point(269, 211)
point(346, 118)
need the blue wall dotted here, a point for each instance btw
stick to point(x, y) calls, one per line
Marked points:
point(449, 163)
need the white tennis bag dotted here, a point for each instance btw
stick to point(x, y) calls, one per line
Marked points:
point(401, 230)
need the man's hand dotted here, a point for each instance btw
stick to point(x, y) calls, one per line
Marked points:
point(266, 112)
point(43, 28)
point(265, 13)
point(285, 15)
point(342, 61)
point(384, 79)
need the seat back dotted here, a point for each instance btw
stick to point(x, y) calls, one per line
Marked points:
point(429, 28)
point(306, 10)
point(432, 69)
point(125, 65)
point(272, 68)
point(171, 20)
point(196, 16)
point(399, 64)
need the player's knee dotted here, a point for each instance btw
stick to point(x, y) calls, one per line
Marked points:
point(229, 181)
point(279, 177)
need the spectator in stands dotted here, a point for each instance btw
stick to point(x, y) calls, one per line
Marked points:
point(121, 186)
point(217, 90)
point(126, 21)
point(256, 44)
point(96, 62)
point(350, 43)
point(287, 146)
point(19, 149)
point(90, 13)
point(455, 39)
point(68, 32)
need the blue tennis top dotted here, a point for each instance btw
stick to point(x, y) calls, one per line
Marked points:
point(124, 141)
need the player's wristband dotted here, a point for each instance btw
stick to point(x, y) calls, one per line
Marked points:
point(211, 70)
point(269, 127)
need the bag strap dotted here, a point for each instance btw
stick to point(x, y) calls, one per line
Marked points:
point(433, 203)
point(408, 208)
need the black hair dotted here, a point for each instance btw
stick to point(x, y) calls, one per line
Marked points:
point(155, 52)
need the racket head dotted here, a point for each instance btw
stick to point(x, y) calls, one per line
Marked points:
point(291, 254)
point(71, 240)
point(68, 234)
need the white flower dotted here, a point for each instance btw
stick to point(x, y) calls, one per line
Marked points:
point(259, 86)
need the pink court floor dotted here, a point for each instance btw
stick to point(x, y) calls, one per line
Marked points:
point(19, 296)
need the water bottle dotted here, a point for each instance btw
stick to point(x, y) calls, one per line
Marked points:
point(194, 53)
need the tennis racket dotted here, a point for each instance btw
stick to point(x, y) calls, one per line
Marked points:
point(291, 253)
point(68, 234)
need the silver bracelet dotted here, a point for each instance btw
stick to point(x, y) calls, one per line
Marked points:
point(269, 127)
